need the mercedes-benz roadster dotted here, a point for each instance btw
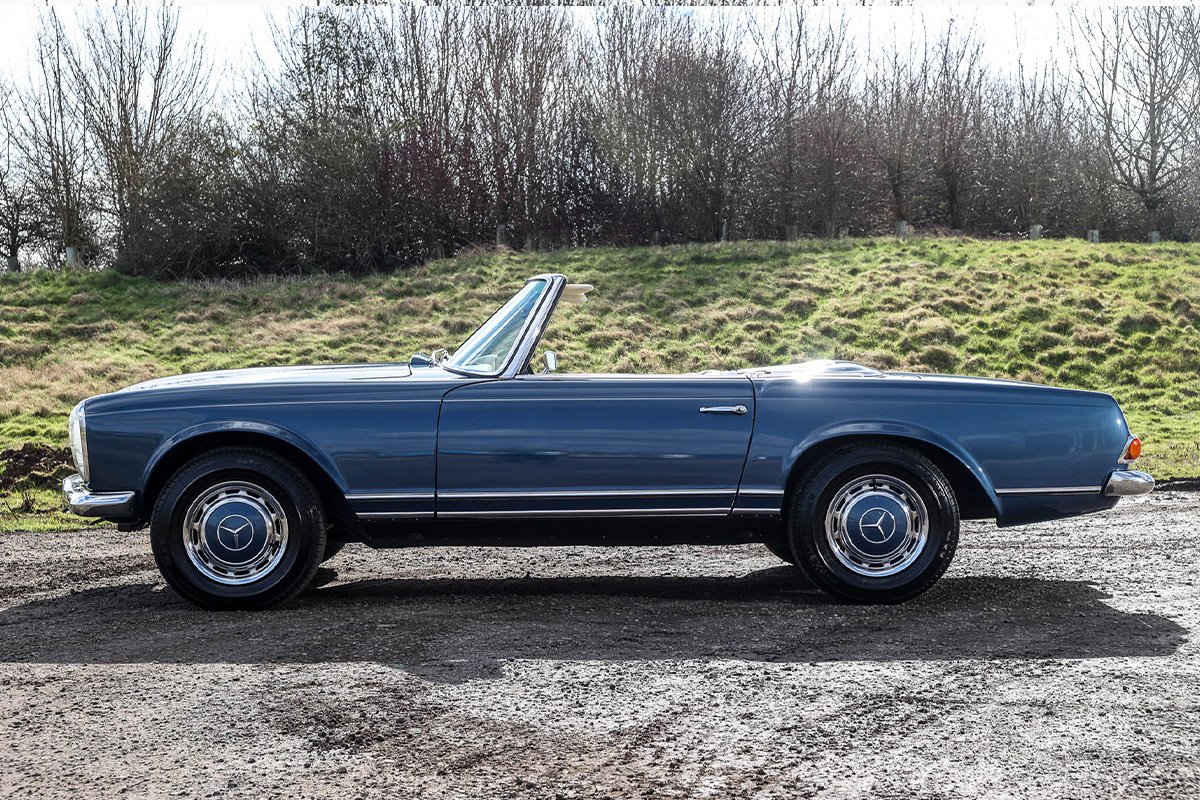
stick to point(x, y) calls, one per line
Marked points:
point(249, 479)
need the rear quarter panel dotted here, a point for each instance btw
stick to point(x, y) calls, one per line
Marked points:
point(1009, 435)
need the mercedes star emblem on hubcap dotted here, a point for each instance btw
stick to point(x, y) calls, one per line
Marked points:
point(879, 520)
point(235, 532)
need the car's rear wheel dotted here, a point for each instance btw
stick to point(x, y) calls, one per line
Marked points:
point(238, 528)
point(874, 523)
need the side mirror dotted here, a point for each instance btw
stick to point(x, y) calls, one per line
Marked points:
point(551, 362)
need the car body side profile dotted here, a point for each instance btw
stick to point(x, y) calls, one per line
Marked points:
point(249, 478)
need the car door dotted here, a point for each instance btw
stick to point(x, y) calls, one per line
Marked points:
point(593, 445)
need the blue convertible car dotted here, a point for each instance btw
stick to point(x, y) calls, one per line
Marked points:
point(249, 479)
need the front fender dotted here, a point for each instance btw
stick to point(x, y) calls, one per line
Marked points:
point(241, 426)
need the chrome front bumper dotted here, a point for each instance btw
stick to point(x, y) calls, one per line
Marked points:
point(1128, 483)
point(79, 499)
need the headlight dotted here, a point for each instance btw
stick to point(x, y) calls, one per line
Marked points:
point(77, 428)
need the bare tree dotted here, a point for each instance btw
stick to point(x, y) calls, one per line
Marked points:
point(956, 102)
point(623, 105)
point(18, 202)
point(803, 71)
point(516, 80)
point(896, 100)
point(52, 139)
point(1028, 137)
point(1137, 74)
point(143, 92)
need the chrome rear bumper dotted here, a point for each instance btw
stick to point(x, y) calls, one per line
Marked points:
point(79, 499)
point(1128, 483)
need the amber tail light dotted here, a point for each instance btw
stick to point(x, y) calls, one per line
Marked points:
point(1133, 449)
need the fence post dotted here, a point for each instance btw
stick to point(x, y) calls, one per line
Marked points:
point(902, 229)
point(1035, 232)
point(1155, 237)
point(792, 232)
point(501, 230)
point(1094, 236)
point(843, 232)
point(72, 256)
point(724, 229)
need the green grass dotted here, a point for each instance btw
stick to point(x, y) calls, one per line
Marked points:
point(1123, 318)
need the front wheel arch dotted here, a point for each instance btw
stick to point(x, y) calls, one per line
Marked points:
point(333, 498)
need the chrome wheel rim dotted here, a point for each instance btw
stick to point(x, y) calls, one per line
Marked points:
point(235, 533)
point(877, 525)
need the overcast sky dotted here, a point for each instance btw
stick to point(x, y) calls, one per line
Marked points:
point(233, 30)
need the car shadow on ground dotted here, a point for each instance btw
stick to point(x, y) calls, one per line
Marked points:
point(461, 628)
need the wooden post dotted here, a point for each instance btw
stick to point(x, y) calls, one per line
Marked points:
point(657, 238)
point(501, 230)
point(1094, 236)
point(1155, 237)
point(792, 232)
point(1035, 232)
point(724, 229)
point(902, 229)
point(72, 256)
point(844, 232)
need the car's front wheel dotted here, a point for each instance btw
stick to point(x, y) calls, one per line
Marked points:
point(238, 528)
point(874, 523)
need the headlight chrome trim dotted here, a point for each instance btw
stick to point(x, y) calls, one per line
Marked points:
point(77, 432)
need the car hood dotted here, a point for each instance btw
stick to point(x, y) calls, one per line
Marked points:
point(277, 375)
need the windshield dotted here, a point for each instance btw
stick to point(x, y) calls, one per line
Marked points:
point(488, 349)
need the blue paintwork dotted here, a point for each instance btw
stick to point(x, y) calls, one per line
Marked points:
point(405, 444)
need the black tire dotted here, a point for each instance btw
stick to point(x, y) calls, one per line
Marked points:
point(271, 496)
point(780, 547)
point(846, 551)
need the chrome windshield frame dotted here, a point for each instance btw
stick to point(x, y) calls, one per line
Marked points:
point(531, 332)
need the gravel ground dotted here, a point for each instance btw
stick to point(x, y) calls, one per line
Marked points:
point(1054, 660)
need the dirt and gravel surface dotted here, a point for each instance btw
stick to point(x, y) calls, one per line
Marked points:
point(1054, 660)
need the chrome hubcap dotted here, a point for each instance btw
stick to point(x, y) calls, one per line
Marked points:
point(877, 525)
point(235, 533)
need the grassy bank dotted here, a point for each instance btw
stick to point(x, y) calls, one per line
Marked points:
point(1124, 318)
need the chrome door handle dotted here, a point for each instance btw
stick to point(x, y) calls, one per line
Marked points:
point(723, 409)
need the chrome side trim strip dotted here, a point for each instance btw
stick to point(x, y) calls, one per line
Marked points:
point(761, 492)
point(1051, 490)
point(588, 493)
point(758, 512)
point(392, 496)
point(595, 512)
point(386, 514)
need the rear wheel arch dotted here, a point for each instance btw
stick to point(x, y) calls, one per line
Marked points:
point(333, 498)
point(973, 499)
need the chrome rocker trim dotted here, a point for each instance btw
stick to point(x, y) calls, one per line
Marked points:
point(1128, 483)
point(1121, 483)
point(1050, 490)
point(79, 499)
